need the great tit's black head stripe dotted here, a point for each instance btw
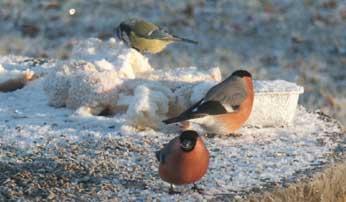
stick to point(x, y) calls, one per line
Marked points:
point(125, 28)
point(121, 29)
point(118, 32)
point(123, 32)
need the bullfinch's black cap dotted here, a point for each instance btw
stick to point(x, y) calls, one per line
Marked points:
point(188, 140)
point(242, 73)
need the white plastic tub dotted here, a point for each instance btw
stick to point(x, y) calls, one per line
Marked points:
point(275, 103)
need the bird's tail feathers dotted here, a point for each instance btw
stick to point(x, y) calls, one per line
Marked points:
point(172, 120)
point(188, 114)
point(184, 117)
point(177, 38)
point(176, 119)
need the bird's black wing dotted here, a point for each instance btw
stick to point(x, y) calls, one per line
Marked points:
point(199, 110)
point(162, 154)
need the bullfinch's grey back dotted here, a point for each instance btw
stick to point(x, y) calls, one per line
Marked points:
point(222, 98)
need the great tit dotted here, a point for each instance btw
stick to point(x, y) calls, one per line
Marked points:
point(146, 37)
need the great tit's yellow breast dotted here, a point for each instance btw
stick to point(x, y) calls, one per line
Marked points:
point(148, 45)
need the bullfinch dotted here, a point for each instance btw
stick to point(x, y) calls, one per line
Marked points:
point(184, 160)
point(225, 107)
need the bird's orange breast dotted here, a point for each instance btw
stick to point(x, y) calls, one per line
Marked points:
point(232, 121)
point(235, 120)
point(185, 167)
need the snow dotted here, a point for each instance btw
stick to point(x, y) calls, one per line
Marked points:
point(147, 107)
point(259, 156)
point(111, 55)
point(110, 76)
point(107, 77)
point(118, 150)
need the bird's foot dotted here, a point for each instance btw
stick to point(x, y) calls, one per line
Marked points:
point(172, 191)
point(197, 189)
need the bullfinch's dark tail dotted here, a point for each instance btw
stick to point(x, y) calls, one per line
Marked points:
point(188, 114)
point(176, 119)
point(171, 120)
point(183, 117)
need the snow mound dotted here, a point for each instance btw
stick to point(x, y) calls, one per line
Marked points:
point(148, 105)
point(109, 78)
point(112, 55)
point(80, 83)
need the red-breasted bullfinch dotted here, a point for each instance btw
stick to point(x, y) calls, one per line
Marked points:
point(224, 108)
point(184, 160)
